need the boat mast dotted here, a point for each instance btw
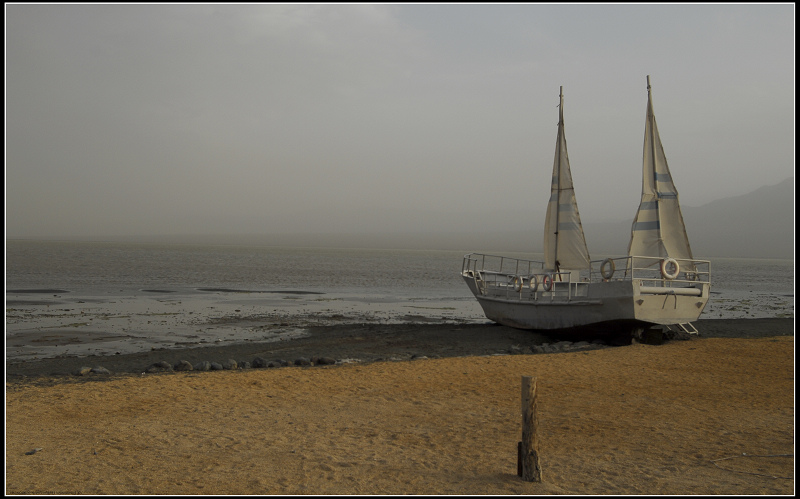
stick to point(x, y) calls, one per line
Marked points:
point(558, 174)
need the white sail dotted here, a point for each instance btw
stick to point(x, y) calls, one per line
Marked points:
point(658, 229)
point(564, 242)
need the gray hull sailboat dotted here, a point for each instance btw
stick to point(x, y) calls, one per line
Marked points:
point(658, 283)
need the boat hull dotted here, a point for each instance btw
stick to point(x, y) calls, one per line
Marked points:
point(598, 303)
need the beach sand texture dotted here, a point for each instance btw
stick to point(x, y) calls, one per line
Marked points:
point(638, 419)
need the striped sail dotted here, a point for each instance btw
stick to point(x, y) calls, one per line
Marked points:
point(564, 242)
point(658, 229)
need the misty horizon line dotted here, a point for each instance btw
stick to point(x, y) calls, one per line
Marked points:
point(497, 243)
point(715, 229)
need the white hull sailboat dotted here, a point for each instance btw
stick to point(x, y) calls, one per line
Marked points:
point(658, 283)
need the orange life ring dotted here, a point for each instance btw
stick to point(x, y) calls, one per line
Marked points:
point(547, 282)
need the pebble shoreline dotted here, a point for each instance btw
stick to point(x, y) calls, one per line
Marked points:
point(356, 343)
point(259, 362)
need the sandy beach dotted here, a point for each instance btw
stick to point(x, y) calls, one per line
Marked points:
point(710, 415)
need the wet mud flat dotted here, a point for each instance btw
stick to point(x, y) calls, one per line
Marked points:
point(122, 322)
point(362, 343)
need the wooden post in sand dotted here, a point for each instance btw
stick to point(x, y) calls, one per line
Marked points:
point(528, 450)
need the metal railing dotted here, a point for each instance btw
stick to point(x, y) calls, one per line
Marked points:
point(652, 271)
point(515, 278)
point(507, 277)
point(499, 264)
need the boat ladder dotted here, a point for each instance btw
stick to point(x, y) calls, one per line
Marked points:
point(687, 327)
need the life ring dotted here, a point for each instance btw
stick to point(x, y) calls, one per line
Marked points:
point(607, 268)
point(533, 282)
point(518, 281)
point(665, 264)
point(547, 282)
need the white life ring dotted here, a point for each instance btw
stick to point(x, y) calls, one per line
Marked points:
point(665, 264)
point(547, 282)
point(518, 283)
point(533, 282)
point(607, 268)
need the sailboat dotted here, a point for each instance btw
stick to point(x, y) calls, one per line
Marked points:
point(657, 283)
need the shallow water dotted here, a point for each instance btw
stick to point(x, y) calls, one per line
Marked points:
point(81, 298)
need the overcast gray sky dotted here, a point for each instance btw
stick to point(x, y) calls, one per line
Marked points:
point(164, 119)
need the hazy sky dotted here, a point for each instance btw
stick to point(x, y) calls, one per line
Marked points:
point(163, 119)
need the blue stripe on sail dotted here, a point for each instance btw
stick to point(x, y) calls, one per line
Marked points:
point(568, 226)
point(663, 177)
point(667, 195)
point(649, 205)
point(565, 207)
point(646, 225)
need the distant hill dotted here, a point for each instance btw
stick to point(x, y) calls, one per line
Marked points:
point(759, 224)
